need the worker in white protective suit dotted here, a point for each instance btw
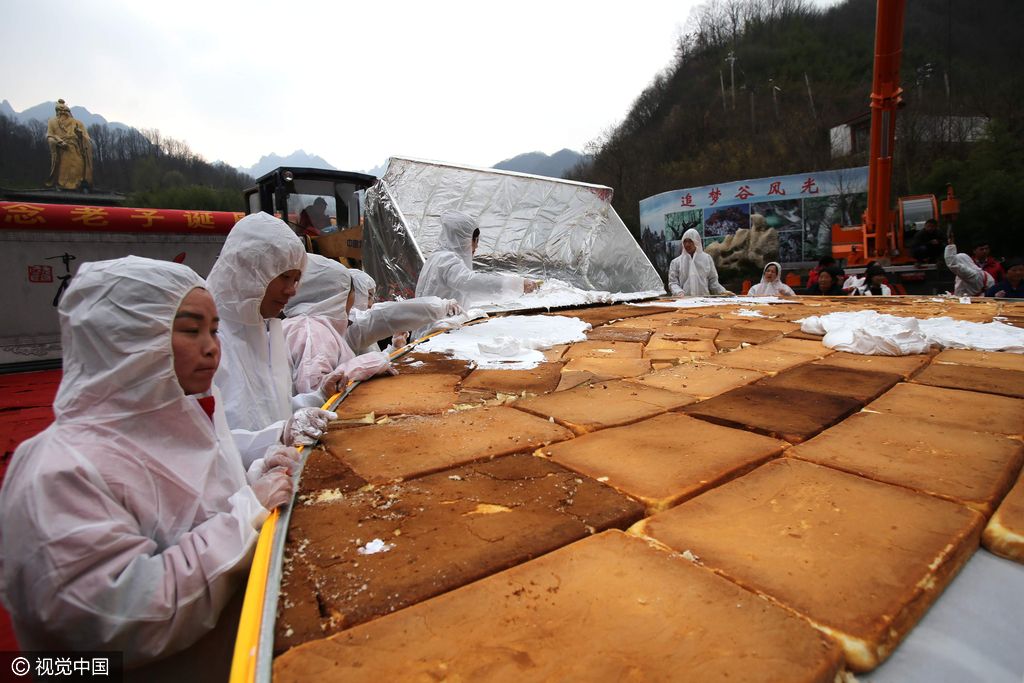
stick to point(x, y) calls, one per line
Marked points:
point(129, 523)
point(448, 272)
point(971, 280)
point(873, 283)
point(771, 282)
point(257, 273)
point(370, 322)
point(315, 326)
point(693, 272)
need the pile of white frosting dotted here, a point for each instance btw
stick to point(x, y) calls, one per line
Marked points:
point(699, 301)
point(554, 293)
point(514, 342)
point(875, 334)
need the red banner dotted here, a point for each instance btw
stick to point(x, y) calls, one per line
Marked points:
point(79, 218)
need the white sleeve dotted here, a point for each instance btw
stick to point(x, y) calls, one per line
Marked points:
point(713, 285)
point(312, 399)
point(674, 286)
point(786, 290)
point(472, 286)
point(252, 445)
point(390, 317)
point(949, 254)
point(99, 582)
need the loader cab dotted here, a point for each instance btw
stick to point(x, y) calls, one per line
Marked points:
point(314, 202)
point(324, 208)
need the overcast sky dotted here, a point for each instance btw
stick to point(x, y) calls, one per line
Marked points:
point(465, 82)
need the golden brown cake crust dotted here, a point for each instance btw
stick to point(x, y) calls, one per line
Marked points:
point(984, 412)
point(982, 359)
point(538, 380)
point(415, 446)
point(608, 333)
point(650, 614)
point(443, 531)
point(1004, 534)
point(968, 467)
point(411, 394)
point(666, 459)
point(857, 557)
point(701, 381)
point(989, 380)
point(590, 407)
point(905, 366)
point(762, 360)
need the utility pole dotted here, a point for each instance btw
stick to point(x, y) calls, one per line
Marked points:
point(775, 96)
point(721, 79)
point(732, 76)
point(810, 97)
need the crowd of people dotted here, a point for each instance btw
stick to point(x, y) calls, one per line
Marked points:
point(130, 522)
point(693, 272)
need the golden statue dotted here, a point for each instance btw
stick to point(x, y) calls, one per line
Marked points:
point(70, 151)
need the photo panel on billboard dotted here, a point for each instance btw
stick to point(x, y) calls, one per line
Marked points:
point(821, 213)
point(677, 223)
point(782, 215)
point(726, 220)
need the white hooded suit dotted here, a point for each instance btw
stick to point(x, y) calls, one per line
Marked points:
point(255, 376)
point(694, 275)
point(448, 272)
point(127, 523)
point(774, 288)
point(971, 280)
point(316, 325)
point(367, 326)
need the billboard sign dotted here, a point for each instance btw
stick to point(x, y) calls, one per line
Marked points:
point(797, 210)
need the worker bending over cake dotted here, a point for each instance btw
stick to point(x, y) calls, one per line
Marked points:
point(971, 280)
point(448, 272)
point(693, 272)
point(257, 273)
point(316, 325)
point(370, 322)
point(129, 523)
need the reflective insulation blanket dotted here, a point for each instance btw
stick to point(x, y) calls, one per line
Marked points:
point(539, 228)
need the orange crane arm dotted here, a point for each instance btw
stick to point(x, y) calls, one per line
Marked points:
point(885, 98)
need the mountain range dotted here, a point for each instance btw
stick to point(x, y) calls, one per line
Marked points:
point(44, 111)
point(536, 163)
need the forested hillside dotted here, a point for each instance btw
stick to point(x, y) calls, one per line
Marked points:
point(155, 171)
point(799, 71)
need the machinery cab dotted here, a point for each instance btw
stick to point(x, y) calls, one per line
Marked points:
point(322, 207)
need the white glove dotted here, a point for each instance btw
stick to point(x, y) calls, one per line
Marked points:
point(276, 456)
point(369, 364)
point(399, 340)
point(273, 489)
point(451, 307)
point(306, 426)
point(334, 382)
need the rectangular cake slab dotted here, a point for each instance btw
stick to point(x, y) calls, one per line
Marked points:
point(968, 467)
point(860, 559)
point(599, 405)
point(440, 532)
point(415, 446)
point(666, 459)
point(608, 608)
point(791, 414)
